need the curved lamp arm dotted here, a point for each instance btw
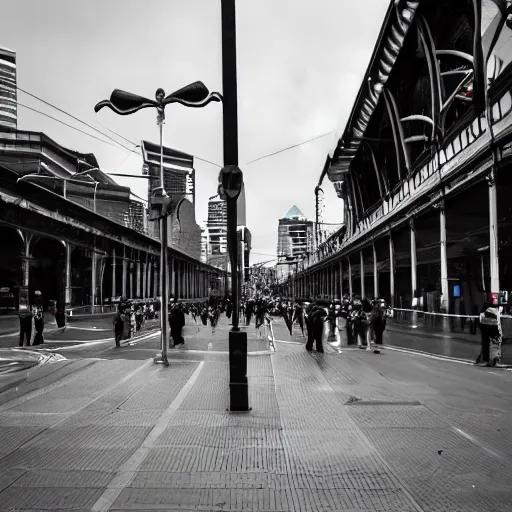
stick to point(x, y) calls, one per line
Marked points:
point(125, 103)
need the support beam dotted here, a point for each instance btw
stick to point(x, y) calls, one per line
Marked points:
point(494, 267)
point(391, 270)
point(414, 268)
point(350, 289)
point(114, 265)
point(125, 273)
point(361, 263)
point(375, 273)
point(445, 303)
point(94, 277)
point(67, 275)
point(341, 279)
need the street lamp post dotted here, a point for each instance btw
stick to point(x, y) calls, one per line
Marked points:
point(230, 186)
point(125, 103)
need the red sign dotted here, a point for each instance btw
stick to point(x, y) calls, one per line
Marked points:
point(494, 298)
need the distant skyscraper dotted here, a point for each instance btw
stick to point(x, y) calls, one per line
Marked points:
point(295, 234)
point(179, 175)
point(217, 227)
point(8, 92)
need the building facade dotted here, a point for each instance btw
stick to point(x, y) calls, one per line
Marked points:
point(8, 90)
point(423, 166)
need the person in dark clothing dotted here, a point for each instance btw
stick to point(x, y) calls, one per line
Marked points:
point(39, 327)
point(490, 331)
point(315, 315)
point(119, 326)
point(229, 309)
point(378, 324)
point(204, 315)
point(298, 315)
point(25, 327)
point(318, 319)
point(249, 309)
point(177, 322)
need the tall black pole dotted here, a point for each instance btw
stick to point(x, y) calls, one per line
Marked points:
point(230, 127)
point(238, 384)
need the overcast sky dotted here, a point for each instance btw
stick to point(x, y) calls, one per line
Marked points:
point(300, 65)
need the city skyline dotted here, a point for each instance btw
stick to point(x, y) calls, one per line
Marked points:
point(284, 100)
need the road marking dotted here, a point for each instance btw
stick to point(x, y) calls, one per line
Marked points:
point(128, 470)
point(290, 342)
point(429, 356)
point(470, 438)
point(193, 351)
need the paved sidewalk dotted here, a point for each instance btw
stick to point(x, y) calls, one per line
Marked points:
point(326, 432)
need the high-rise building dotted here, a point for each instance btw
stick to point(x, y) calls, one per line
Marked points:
point(295, 234)
point(8, 91)
point(217, 227)
point(179, 174)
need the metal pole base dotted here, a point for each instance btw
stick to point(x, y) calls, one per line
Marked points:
point(238, 386)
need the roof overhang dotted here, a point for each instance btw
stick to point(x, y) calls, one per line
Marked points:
point(397, 22)
point(173, 159)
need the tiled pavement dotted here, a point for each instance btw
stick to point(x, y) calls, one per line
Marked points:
point(326, 432)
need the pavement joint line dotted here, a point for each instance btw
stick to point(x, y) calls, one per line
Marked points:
point(128, 470)
point(15, 402)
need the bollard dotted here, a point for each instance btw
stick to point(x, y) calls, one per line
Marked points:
point(238, 386)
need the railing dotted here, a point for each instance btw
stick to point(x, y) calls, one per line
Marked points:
point(443, 322)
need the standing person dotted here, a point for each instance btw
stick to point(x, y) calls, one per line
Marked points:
point(309, 312)
point(177, 322)
point(249, 309)
point(298, 316)
point(378, 325)
point(490, 327)
point(119, 326)
point(133, 321)
point(229, 308)
point(33, 325)
point(25, 327)
point(38, 326)
point(139, 319)
point(318, 324)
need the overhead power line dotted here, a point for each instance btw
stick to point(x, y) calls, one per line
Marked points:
point(73, 117)
point(290, 147)
point(69, 125)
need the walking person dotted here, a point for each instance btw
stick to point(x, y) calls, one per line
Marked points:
point(214, 317)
